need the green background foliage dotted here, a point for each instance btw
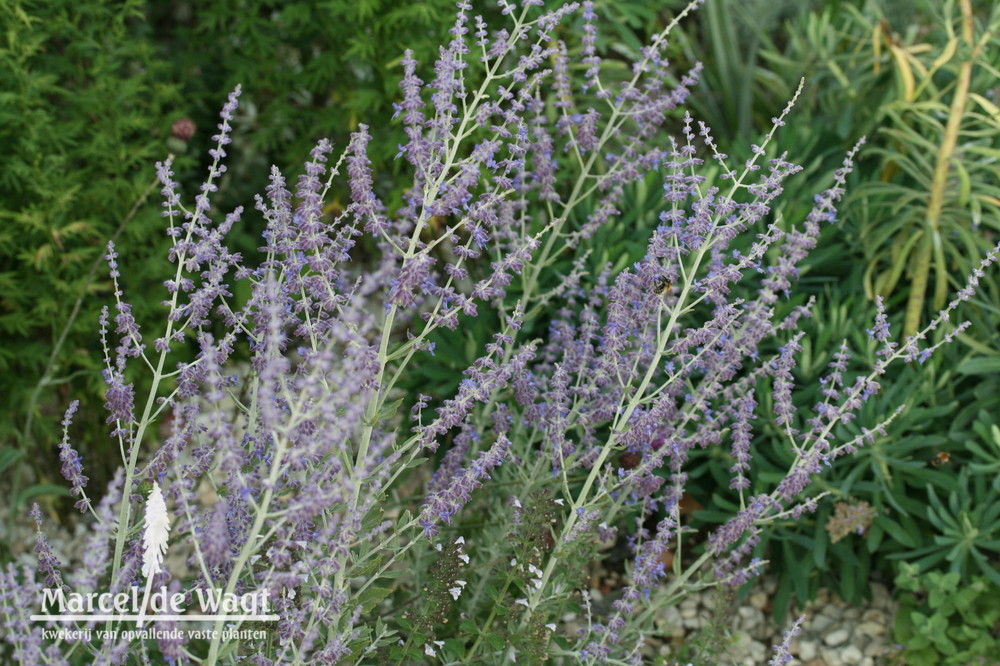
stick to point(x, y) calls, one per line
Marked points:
point(86, 109)
point(889, 71)
point(943, 620)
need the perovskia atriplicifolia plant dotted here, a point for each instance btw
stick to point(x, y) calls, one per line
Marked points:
point(459, 531)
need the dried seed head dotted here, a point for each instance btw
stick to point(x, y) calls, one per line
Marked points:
point(630, 459)
point(183, 129)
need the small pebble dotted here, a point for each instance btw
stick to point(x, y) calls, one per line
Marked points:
point(880, 596)
point(740, 649)
point(750, 617)
point(807, 650)
point(874, 615)
point(851, 655)
point(870, 629)
point(670, 616)
point(820, 624)
point(875, 649)
point(829, 656)
point(837, 637)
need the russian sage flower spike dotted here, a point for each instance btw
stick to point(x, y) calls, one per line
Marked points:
point(72, 470)
point(782, 654)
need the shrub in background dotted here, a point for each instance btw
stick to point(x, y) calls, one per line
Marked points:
point(85, 107)
point(938, 201)
point(324, 493)
point(309, 70)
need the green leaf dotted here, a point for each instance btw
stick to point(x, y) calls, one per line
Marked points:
point(979, 366)
point(40, 490)
point(821, 541)
point(389, 410)
point(496, 641)
point(373, 518)
point(8, 456)
point(454, 647)
point(896, 531)
point(875, 535)
point(781, 599)
point(372, 596)
point(393, 573)
point(368, 568)
point(848, 583)
point(416, 462)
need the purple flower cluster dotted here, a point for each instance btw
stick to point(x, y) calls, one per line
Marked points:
point(782, 654)
point(445, 503)
point(72, 469)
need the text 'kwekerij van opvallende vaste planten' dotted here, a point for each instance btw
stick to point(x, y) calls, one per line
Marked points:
point(379, 524)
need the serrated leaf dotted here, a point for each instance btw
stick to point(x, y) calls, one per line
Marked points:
point(389, 410)
point(369, 567)
point(372, 596)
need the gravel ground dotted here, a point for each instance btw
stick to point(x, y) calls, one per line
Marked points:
point(833, 633)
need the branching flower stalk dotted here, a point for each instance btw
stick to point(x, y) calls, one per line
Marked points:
point(216, 170)
point(625, 412)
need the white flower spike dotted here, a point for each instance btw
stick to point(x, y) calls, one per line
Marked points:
point(154, 541)
point(157, 532)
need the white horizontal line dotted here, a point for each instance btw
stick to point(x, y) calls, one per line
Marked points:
point(155, 618)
